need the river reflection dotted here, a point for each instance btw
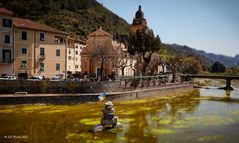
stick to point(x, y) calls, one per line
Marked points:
point(186, 119)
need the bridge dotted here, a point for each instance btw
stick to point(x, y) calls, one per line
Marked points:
point(228, 78)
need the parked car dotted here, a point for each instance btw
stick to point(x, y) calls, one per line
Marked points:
point(8, 77)
point(56, 78)
point(35, 78)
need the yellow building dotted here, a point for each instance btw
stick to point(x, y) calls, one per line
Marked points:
point(39, 49)
point(6, 42)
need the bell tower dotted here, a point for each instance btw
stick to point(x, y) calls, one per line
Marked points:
point(139, 21)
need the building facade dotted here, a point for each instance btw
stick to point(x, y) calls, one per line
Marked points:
point(99, 48)
point(125, 62)
point(74, 50)
point(6, 42)
point(39, 49)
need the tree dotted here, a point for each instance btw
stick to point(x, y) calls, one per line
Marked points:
point(122, 60)
point(153, 65)
point(175, 64)
point(191, 65)
point(234, 70)
point(164, 56)
point(218, 67)
point(143, 44)
point(101, 53)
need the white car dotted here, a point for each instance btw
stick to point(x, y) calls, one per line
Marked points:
point(56, 78)
point(8, 77)
point(35, 78)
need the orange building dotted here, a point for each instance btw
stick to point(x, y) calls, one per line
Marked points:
point(99, 45)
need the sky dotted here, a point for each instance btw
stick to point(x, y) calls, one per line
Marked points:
point(209, 25)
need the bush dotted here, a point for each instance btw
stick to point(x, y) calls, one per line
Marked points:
point(71, 86)
point(42, 86)
point(218, 67)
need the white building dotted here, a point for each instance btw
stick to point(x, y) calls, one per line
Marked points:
point(73, 59)
point(124, 59)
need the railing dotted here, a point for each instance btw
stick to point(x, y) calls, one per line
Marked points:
point(6, 61)
point(42, 57)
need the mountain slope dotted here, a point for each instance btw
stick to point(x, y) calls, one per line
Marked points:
point(78, 17)
point(206, 58)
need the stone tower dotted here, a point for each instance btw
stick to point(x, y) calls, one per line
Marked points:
point(139, 21)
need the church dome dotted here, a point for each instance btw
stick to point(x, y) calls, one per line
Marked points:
point(139, 14)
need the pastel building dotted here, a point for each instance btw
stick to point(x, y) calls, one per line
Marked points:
point(74, 50)
point(6, 42)
point(39, 49)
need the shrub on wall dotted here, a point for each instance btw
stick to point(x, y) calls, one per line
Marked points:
point(71, 86)
point(42, 86)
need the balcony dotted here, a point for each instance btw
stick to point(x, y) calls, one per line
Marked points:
point(42, 69)
point(42, 57)
point(6, 61)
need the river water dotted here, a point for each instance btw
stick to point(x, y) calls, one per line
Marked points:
point(202, 115)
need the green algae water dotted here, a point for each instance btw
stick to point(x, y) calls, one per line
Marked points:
point(197, 116)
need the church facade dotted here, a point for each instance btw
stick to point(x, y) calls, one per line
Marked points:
point(99, 48)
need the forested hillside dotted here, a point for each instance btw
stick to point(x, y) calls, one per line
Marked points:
point(78, 17)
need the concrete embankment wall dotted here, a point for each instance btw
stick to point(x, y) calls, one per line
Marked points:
point(89, 97)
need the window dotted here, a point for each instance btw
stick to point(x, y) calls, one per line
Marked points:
point(7, 39)
point(24, 64)
point(24, 35)
point(69, 51)
point(77, 66)
point(42, 36)
point(42, 51)
point(58, 67)
point(42, 66)
point(76, 47)
point(24, 50)
point(60, 40)
point(6, 56)
point(58, 53)
point(7, 23)
point(76, 52)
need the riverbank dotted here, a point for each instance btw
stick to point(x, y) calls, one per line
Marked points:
point(13, 99)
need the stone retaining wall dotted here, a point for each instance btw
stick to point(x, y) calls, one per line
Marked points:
point(90, 97)
point(50, 87)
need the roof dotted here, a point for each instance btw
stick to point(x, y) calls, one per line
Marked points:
point(100, 33)
point(76, 40)
point(25, 23)
point(5, 11)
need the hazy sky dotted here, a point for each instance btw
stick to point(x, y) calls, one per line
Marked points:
point(209, 25)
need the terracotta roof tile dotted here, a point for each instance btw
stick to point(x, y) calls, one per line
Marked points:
point(5, 11)
point(100, 33)
point(25, 23)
